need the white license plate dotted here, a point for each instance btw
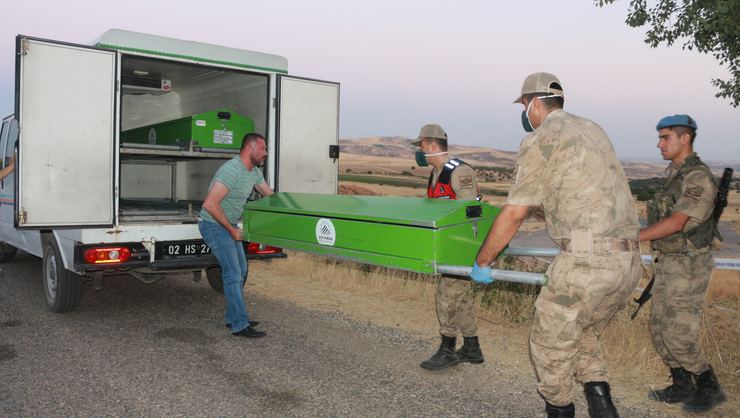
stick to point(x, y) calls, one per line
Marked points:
point(182, 249)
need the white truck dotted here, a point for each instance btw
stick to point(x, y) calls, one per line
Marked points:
point(92, 201)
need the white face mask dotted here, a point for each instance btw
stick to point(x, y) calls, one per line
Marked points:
point(528, 125)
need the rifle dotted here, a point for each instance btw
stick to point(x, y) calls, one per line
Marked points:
point(722, 190)
point(645, 296)
point(719, 205)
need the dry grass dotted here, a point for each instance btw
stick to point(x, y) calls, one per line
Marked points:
point(355, 190)
point(725, 286)
point(384, 190)
point(406, 300)
point(632, 358)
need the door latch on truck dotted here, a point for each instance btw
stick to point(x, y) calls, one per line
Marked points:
point(22, 216)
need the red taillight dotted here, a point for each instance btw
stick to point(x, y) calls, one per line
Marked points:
point(107, 255)
point(255, 248)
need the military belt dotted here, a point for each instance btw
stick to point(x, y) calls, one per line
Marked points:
point(604, 245)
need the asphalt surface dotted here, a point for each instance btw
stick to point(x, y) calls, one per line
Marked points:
point(161, 350)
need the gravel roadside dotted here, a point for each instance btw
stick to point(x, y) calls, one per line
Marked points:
point(161, 350)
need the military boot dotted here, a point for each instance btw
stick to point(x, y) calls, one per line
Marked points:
point(683, 388)
point(444, 357)
point(599, 399)
point(708, 393)
point(470, 351)
point(567, 411)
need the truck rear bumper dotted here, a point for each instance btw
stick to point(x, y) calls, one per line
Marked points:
point(140, 260)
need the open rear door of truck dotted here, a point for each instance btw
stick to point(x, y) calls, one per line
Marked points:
point(308, 125)
point(67, 115)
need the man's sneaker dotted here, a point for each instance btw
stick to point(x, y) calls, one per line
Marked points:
point(251, 324)
point(249, 332)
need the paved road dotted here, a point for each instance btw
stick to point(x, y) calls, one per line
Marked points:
point(160, 350)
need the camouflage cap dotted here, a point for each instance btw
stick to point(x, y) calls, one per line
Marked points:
point(540, 83)
point(430, 130)
point(676, 120)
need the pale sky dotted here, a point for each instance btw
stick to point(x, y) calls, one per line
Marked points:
point(402, 64)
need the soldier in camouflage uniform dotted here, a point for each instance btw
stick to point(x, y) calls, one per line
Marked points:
point(681, 229)
point(568, 166)
point(451, 178)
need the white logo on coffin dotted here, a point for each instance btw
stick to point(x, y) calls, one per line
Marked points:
point(325, 232)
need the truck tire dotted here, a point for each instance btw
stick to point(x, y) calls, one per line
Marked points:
point(62, 288)
point(213, 275)
point(7, 252)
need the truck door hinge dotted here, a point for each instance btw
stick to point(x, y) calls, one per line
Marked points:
point(24, 47)
point(22, 217)
point(274, 102)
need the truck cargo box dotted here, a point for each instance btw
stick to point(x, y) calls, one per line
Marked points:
point(116, 144)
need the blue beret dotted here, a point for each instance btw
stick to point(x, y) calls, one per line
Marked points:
point(676, 120)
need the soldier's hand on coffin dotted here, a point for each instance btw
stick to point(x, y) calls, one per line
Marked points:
point(481, 274)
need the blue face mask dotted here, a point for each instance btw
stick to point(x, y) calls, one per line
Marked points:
point(525, 122)
point(421, 159)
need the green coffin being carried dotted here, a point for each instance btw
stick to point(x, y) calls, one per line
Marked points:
point(406, 233)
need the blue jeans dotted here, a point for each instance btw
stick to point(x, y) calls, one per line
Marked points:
point(233, 262)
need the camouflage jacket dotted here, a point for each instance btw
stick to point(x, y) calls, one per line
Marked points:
point(690, 189)
point(568, 166)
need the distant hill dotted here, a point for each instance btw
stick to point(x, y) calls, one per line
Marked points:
point(397, 147)
point(400, 147)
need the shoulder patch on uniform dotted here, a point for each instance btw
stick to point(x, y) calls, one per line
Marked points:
point(694, 191)
point(466, 181)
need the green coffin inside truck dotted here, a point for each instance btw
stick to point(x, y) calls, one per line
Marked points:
point(217, 129)
point(406, 233)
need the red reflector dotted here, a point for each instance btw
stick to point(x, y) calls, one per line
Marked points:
point(107, 255)
point(256, 248)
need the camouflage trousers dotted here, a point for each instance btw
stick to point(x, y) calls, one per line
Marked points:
point(455, 307)
point(571, 313)
point(679, 293)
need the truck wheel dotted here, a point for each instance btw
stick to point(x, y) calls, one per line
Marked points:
point(7, 252)
point(213, 275)
point(63, 289)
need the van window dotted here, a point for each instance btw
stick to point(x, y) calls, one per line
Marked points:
point(3, 140)
point(9, 144)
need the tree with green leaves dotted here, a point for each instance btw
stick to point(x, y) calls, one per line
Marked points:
point(708, 26)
